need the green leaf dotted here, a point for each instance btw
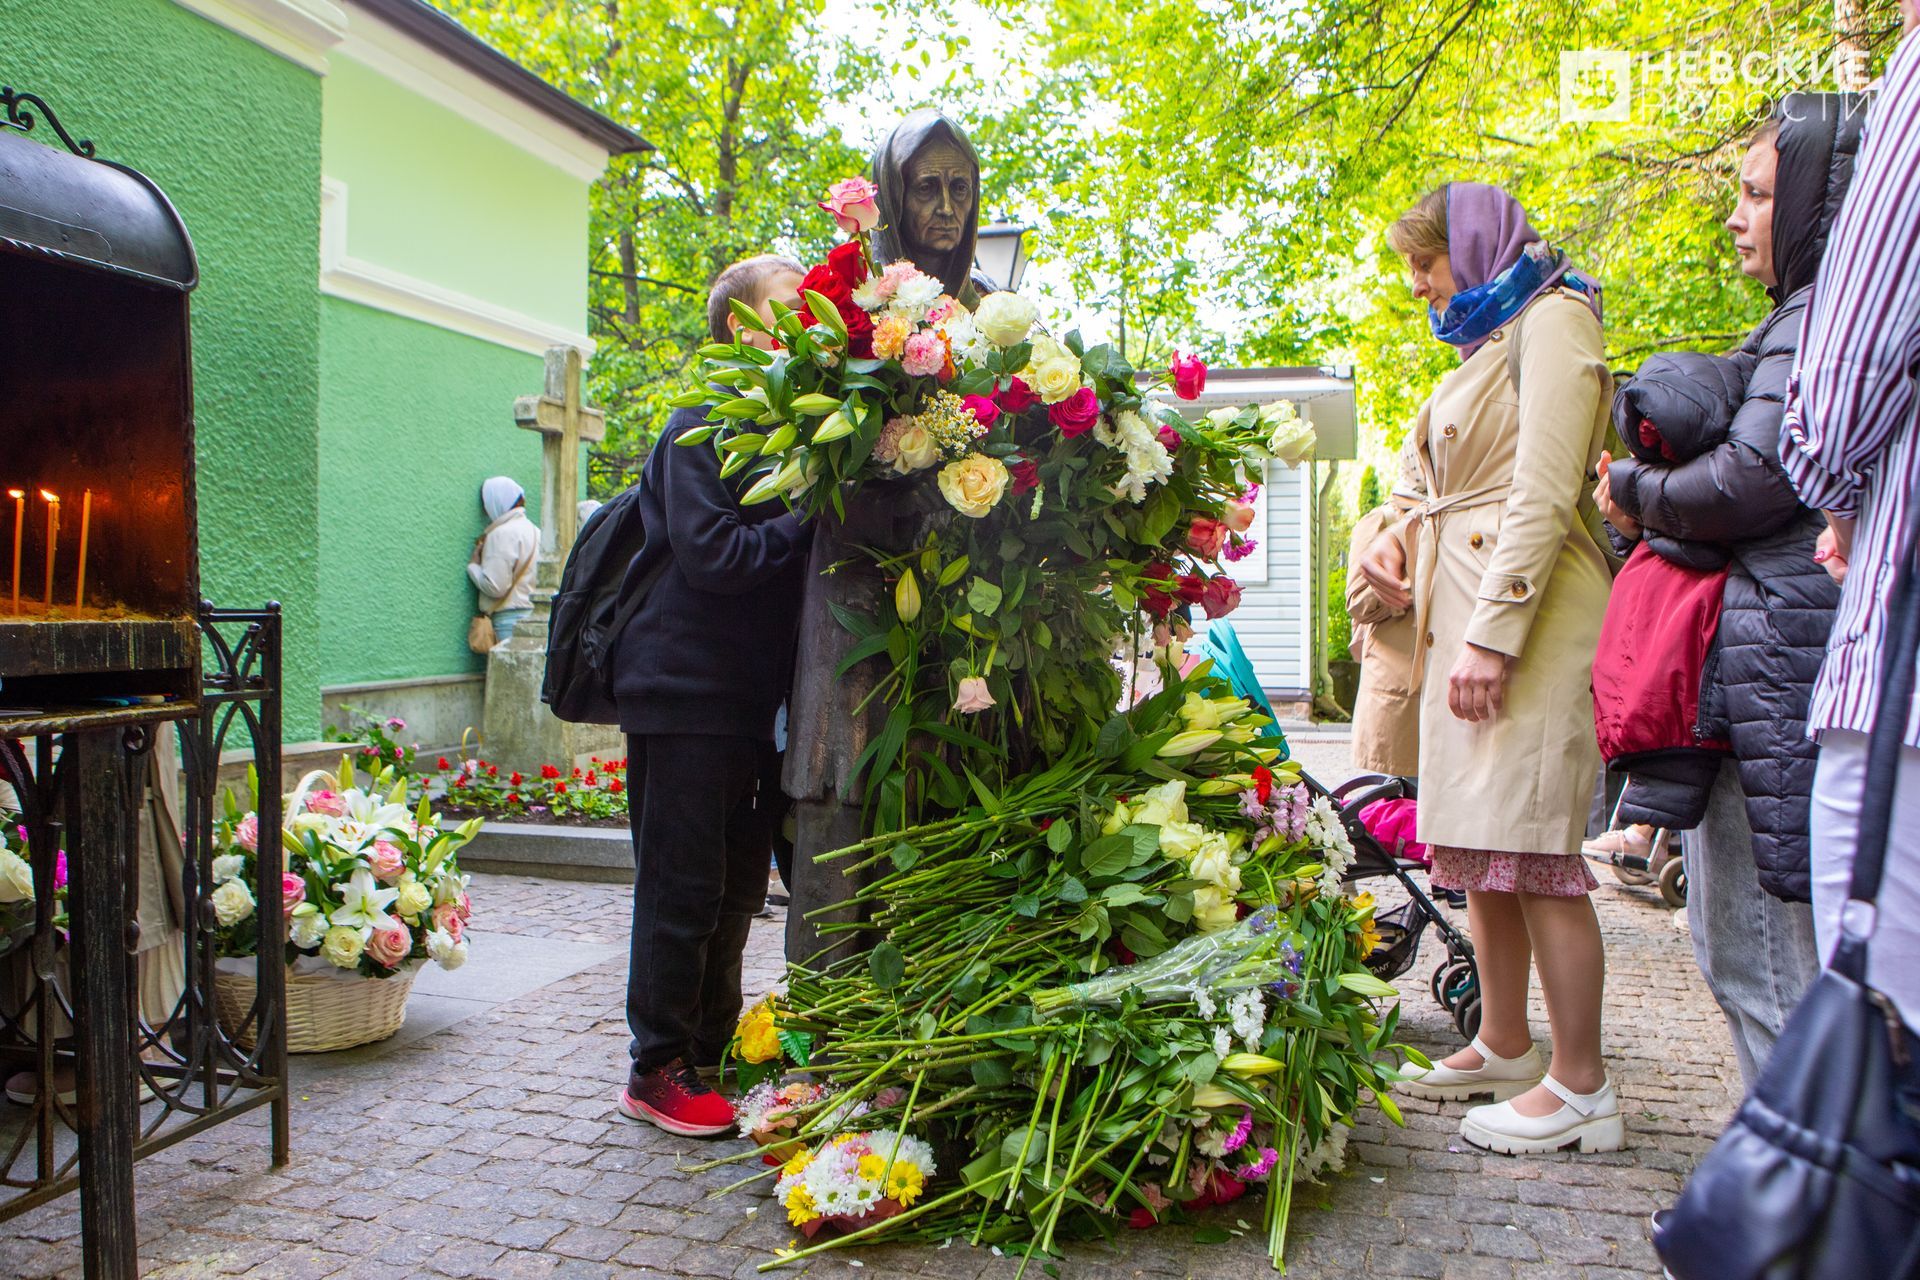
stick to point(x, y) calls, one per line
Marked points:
point(887, 966)
point(797, 1045)
point(1123, 895)
point(983, 597)
point(1212, 1235)
point(1027, 905)
point(1105, 361)
point(988, 801)
point(1161, 514)
point(904, 856)
point(1107, 856)
point(1073, 891)
point(1146, 841)
point(1116, 735)
point(992, 1073)
point(1059, 836)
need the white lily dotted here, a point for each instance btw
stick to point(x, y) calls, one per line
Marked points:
point(364, 904)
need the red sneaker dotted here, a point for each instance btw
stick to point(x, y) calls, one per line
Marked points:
point(674, 1098)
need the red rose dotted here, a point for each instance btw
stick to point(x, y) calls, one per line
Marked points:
point(1221, 596)
point(1154, 584)
point(984, 411)
point(1017, 398)
point(1191, 588)
point(1076, 414)
point(1189, 377)
point(1169, 438)
point(834, 280)
point(1206, 536)
point(850, 264)
point(444, 764)
point(514, 779)
point(1026, 475)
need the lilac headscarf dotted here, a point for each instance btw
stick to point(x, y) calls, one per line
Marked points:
point(1487, 232)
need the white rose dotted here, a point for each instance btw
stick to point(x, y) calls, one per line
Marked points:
point(1214, 909)
point(1053, 371)
point(1181, 840)
point(227, 866)
point(1005, 318)
point(1214, 864)
point(444, 951)
point(307, 927)
point(342, 946)
point(918, 450)
point(973, 485)
point(232, 902)
point(413, 898)
point(1291, 437)
point(16, 877)
point(1163, 804)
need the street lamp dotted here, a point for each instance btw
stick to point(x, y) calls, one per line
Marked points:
point(1000, 251)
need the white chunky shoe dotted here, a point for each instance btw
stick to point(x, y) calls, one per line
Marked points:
point(1497, 1077)
point(1590, 1121)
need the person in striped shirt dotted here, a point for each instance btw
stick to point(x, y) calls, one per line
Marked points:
point(1852, 448)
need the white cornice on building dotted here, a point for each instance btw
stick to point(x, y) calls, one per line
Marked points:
point(301, 31)
point(368, 283)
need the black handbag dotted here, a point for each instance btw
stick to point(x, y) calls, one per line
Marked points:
point(1818, 1176)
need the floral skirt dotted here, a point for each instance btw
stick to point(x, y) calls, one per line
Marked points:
point(1553, 875)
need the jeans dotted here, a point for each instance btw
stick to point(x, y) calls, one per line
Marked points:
point(504, 621)
point(1893, 956)
point(1756, 951)
point(700, 850)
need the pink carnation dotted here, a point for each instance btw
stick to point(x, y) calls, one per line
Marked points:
point(926, 354)
point(895, 275)
point(887, 447)
point(246, 833)
point(387, 861)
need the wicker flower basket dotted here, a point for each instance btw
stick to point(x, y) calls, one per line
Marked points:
point(325, 1010)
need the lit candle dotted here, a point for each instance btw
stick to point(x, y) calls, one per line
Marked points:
point(86, 523)
point(19, 497)
point(53, 532)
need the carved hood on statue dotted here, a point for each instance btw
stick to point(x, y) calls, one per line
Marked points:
point(890, 160)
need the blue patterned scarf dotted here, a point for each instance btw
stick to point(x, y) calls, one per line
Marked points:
point(1473, 314)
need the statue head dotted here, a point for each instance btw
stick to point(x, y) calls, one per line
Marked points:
point(929, 179)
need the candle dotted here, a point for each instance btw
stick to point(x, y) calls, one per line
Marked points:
point(53, 532)
point(86, 523)
point(19, 497)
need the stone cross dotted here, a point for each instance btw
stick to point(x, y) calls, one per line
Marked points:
point(564, 421)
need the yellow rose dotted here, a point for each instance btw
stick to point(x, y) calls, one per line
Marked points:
point(974, 484)
point(1214, 909)
point(1005, 319)
point(342, 947)
point(917, 450)
point(759, 1042)
point(1053, 371)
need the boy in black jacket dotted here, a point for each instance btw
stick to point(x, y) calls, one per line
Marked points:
point(700, 673)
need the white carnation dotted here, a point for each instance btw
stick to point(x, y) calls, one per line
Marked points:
point(307, 927)
point(227, 866)
point(444, 951)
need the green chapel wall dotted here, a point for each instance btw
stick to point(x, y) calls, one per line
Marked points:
point(412, 419)
point(231, 132)
point(438, 197)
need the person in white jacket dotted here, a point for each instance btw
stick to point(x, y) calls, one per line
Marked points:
point(503, 556)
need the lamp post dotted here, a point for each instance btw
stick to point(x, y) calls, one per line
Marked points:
point(1000, 250)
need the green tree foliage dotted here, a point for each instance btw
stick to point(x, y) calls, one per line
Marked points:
point(732, 99)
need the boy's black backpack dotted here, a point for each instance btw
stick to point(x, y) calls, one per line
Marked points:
point(589, 615)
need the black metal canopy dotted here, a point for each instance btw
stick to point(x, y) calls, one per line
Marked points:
point(91, 213)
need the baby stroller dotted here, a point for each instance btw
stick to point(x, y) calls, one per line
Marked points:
point(1456, 981)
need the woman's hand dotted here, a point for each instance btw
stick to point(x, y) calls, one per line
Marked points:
point(1610, 510)
point(1477, 686)
point(1384, 565)
point(1834, 545)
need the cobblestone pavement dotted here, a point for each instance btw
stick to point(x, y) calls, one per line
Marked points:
point(490, 1149)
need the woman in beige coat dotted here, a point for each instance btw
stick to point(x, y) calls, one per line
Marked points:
point(1386, 710)
point(1508, 585)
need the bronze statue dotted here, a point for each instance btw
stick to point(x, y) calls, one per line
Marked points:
point(929, 180)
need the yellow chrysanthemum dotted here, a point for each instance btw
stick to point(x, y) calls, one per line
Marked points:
point(800, 1210)
point(905, 1184)
point(758, 1040)
point(796, 1163)
point(871, 1167)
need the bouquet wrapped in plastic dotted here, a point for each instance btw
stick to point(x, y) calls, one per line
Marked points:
point(1252, 953)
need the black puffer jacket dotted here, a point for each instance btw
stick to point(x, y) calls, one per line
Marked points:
point(1678, 407)
point(1778, 607)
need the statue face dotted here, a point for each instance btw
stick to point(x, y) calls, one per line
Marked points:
point(940, 197)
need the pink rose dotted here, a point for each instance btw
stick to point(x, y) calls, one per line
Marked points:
point(1169, 438)
point(985, 412)
point(447, 919)
point(246, 833)
point(1238, 516)
point(1076, 414)
point(926, 354)
point(466, 907)
point(1189, 377)
point(973, 696)
point(388, 947)
point(1017, 398)
point(293, 890)
point(1221, 597)
point(1206, 536)
point(387, 861)
point(852, 203)
point(326, 802)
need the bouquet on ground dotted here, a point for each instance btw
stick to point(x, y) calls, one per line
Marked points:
point(370, 887)
point(853, 1180)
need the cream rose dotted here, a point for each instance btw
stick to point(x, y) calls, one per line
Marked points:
point(232, 902)
point(342, 947)
point(1053, 371)
point(973, 485)
point(16, 877)
point(915, 449)
point(1290, 437)
point(1005, 318)
point(414, 898)
point(1214, 909)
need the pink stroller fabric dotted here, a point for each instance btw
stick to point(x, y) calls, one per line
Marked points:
point(1391, 822)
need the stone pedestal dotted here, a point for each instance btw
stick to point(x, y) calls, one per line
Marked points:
point(521, 733)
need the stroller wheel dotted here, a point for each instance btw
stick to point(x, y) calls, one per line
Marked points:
point(1627, 875)
point(1453, 982)
point(1673, 883)
point(1467, 1017)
